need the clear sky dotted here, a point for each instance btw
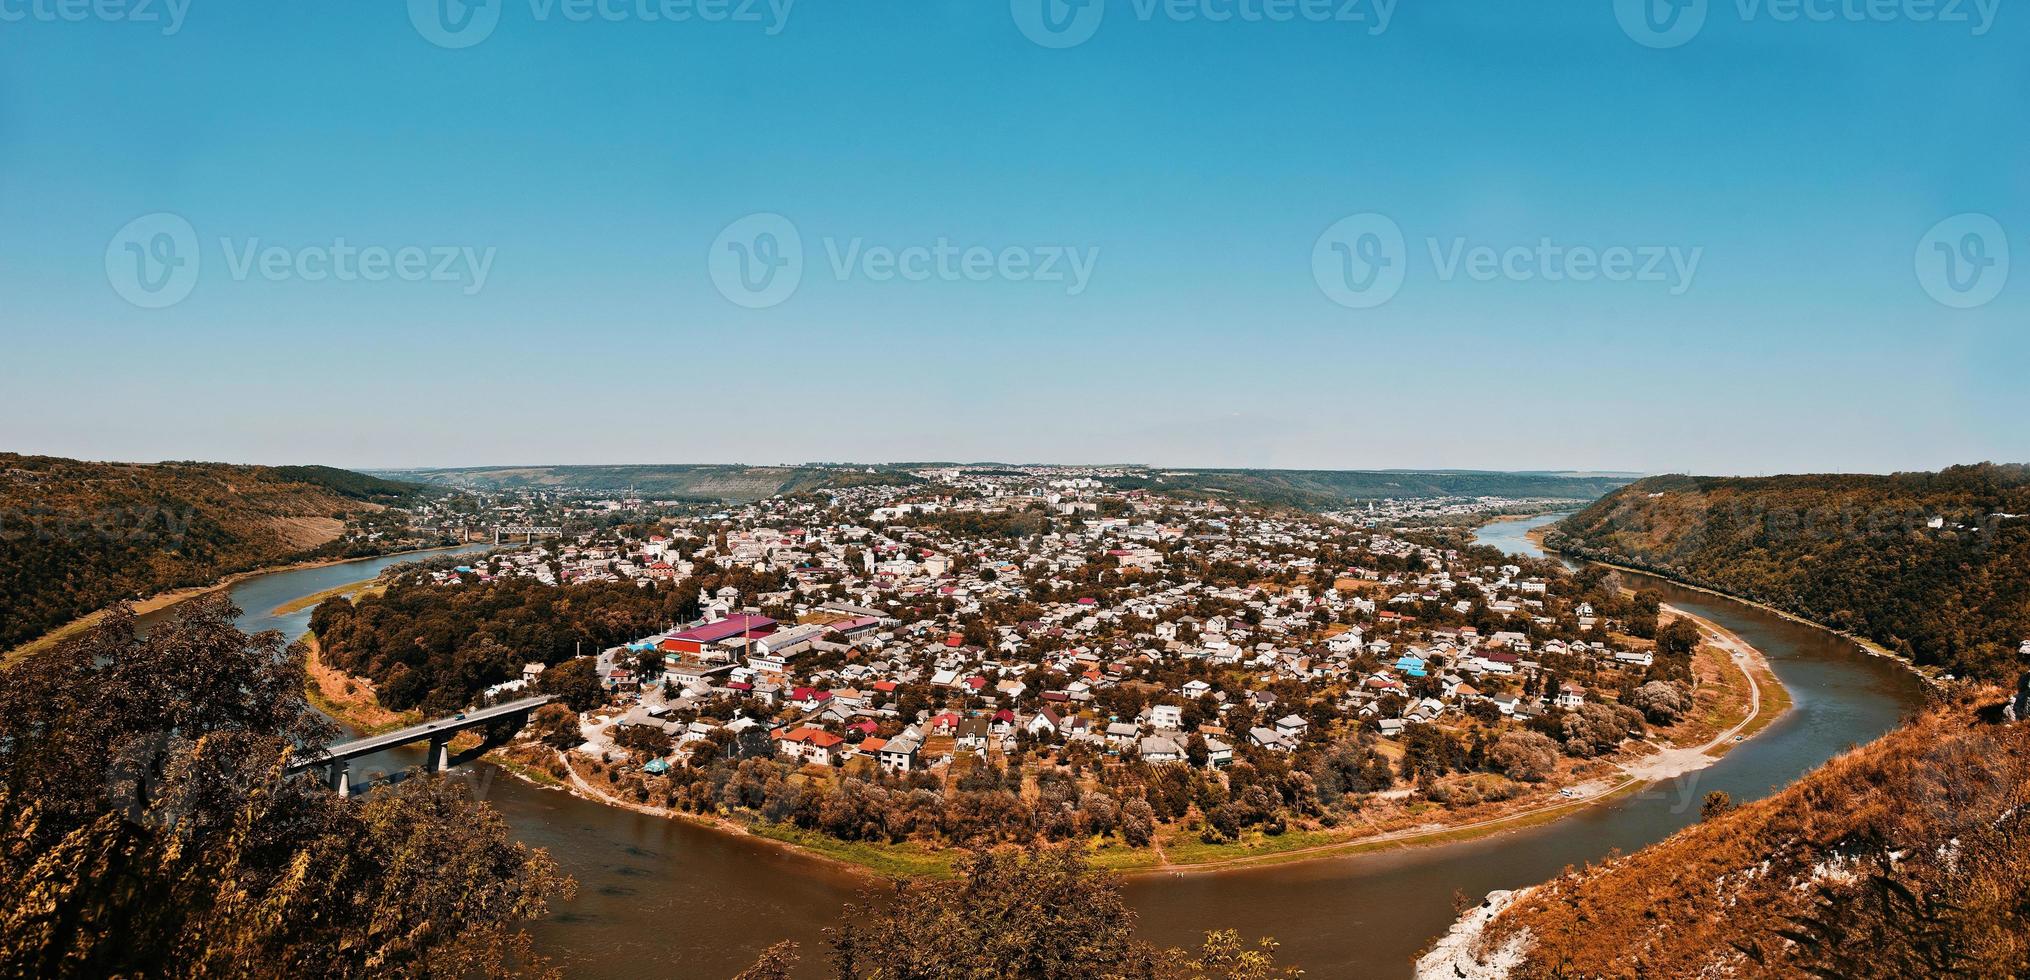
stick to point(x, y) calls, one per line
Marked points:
point(1122, 228)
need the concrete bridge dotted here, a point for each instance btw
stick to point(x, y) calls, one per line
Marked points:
point(499, 722)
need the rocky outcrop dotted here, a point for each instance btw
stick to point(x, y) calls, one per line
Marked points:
point(1457, 955)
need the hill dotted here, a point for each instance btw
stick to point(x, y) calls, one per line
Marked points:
point(1934, 566)
point(1332, 489)
point(730, 483)
point(77, 536)
point(1908, 857)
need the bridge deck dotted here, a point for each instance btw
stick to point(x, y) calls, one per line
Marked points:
point(444, 727)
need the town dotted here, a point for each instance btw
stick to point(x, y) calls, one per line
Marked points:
point(1153, 664)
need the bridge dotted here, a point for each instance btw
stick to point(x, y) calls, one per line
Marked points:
point(500, 722)
point(529, 532)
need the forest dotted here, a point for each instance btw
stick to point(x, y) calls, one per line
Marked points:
point(1933, 566)
point(435, 647)
point(151, 832)
point(76, 536)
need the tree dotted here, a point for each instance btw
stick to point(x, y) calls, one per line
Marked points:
point(1676, 641)
point(576, 681)
point(1660, 701)
point(1224, 957)
point(1011, 913)
point(648, 740)
point(1597, 728)
point(1716, 803)
point(1523, 755)
point(1642, 613)
point(556, 726)
point(195, 856)
point(775, 963)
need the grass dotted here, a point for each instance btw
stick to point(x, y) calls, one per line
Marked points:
point(362, 711)
point(894, 861)
point(310, 601)
point(1187, 849)
point(535, 774)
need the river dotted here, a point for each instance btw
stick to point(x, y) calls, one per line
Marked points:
point(659, 898)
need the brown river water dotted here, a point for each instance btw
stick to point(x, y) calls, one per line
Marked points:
point(659, 898)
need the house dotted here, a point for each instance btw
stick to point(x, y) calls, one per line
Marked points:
point(808, 698)
point(811, 745)
point(1166, 717)
point(899, 754)
point(1292, 728)
point(1161, 748)
point(1219, 755)
point(1268, 738)
point(973, 734)
point(1571, 696)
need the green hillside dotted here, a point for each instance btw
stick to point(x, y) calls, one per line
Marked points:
point(732, 483)
point(1330, 489)
point(77, 536)
point(1935, 566)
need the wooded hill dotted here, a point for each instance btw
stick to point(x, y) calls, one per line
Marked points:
point(1935, 566)
point(1334, 489)
point(77, 536)
point(1909, 857)
point(735, 484)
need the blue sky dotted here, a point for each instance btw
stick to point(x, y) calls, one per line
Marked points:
point(593, 166)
